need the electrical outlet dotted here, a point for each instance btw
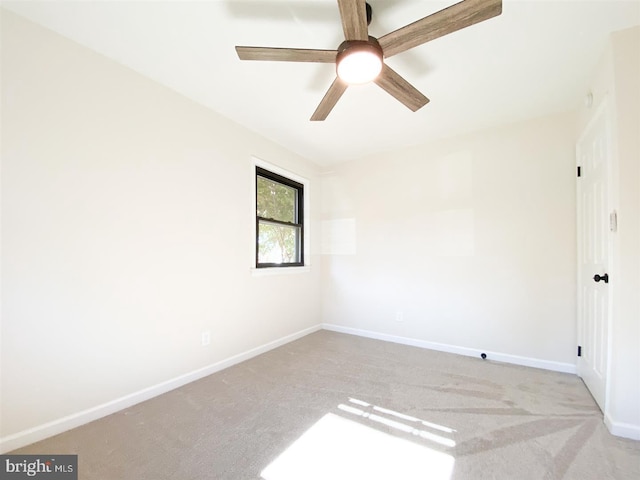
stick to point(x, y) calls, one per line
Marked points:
point(399, 316)
point(206, 338)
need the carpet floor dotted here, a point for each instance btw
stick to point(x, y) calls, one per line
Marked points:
point(332, 406)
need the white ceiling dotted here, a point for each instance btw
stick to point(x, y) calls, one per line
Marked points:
point(534, 59)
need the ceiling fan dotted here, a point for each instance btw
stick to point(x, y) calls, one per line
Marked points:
point(360, 58)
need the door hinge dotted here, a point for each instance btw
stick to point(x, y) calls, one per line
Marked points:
point(579, 351)
point(579, 171)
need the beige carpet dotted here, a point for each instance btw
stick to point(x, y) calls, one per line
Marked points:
point(333, 406)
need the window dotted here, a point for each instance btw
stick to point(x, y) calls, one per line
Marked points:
point(279, 221)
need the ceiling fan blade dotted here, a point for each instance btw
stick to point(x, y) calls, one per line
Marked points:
point(329, 100)
point(286, 54)
point(439, 24)
point(354, 19)
point(402, 90)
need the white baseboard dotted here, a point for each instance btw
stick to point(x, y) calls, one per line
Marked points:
point(619, 429)
point(55, 427)
point(469, 352)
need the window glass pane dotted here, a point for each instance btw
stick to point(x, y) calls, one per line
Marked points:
point(278, 243)
point(276, 201)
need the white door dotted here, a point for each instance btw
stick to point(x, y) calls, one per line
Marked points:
point(594, 157)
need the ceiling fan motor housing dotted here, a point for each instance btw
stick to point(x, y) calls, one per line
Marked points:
point(359, 61)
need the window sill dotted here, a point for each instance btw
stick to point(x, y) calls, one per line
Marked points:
point(269, 271)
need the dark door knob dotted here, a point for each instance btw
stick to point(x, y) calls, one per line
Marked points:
point(604, 277)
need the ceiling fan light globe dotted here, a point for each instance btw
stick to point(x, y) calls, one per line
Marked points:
point(358, 65)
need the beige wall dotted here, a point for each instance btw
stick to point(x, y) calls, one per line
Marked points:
point(471, 240)
point(126, 232)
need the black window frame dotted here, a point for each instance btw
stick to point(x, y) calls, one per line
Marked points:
point(299, 217)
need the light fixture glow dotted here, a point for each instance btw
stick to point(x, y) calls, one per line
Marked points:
point(359, 62)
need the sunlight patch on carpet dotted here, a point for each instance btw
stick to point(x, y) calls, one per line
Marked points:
point(403, 427)
point(336, 448)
